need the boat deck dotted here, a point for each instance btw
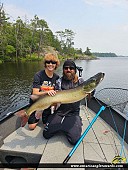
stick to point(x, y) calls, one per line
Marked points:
point(101, 144)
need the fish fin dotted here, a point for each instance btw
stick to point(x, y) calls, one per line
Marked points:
point(38, 114)
point(54, 107)
point(20, 113)
point(58, 105)
point(23, 117)
point(24, 120)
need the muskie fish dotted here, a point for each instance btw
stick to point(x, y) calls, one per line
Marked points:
point(67, 96)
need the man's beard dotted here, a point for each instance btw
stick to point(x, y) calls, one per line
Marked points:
point(68, 75)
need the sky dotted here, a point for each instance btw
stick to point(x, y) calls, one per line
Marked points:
point(101, 25)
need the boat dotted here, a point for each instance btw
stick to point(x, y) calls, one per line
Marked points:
point(101, 147)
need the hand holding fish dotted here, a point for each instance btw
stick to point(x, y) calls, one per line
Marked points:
point(67, 96)
point(51, 92)
point(35, 97)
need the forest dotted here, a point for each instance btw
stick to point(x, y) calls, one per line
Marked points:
point(31, 39)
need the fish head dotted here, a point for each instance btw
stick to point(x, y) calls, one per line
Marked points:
point(92, 82)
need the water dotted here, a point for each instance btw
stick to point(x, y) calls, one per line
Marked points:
point(16, 79)
point(115, 69)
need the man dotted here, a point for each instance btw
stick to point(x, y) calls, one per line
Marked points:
point(66, 118)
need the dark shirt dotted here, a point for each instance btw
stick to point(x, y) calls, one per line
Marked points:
point(71, 108)
point(41, 79)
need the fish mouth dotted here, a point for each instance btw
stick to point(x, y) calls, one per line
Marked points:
point(99, 77)
point(103, 74)
point(92, 83)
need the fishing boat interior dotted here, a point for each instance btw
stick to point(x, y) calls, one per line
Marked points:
point(105, 143)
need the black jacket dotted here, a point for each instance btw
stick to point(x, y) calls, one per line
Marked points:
point(71, 108)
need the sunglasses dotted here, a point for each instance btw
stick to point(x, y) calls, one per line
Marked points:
point(71, 68)
point(50, 61)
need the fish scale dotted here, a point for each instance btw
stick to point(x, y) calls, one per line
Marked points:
point(67, 96)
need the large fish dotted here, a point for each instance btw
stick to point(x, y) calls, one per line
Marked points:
point(67, 96)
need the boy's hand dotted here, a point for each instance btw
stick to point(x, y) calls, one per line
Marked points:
point(51, 92)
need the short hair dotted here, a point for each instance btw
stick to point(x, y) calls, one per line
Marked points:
point(53, 57)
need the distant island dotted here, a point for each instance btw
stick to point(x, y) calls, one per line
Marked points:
point(122, 56)
point(98, 54)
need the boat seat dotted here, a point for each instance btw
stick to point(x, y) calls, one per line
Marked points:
point(30, 146)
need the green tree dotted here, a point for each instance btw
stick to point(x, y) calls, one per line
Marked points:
point(87, 52)
point(3, 28)
point(66, 39)
point(33, 27)
point(20, 39)
point(10, 50)
point(43, 27)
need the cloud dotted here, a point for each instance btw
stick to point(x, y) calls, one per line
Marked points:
point(106, 3)
point(125, 27)
point(13, 12)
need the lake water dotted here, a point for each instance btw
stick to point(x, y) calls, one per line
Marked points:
point(16, 78)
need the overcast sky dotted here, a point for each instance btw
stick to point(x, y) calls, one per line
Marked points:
point(101, 25)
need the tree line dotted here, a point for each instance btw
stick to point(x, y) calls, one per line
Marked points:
point(105, 54)
point(27, 39)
